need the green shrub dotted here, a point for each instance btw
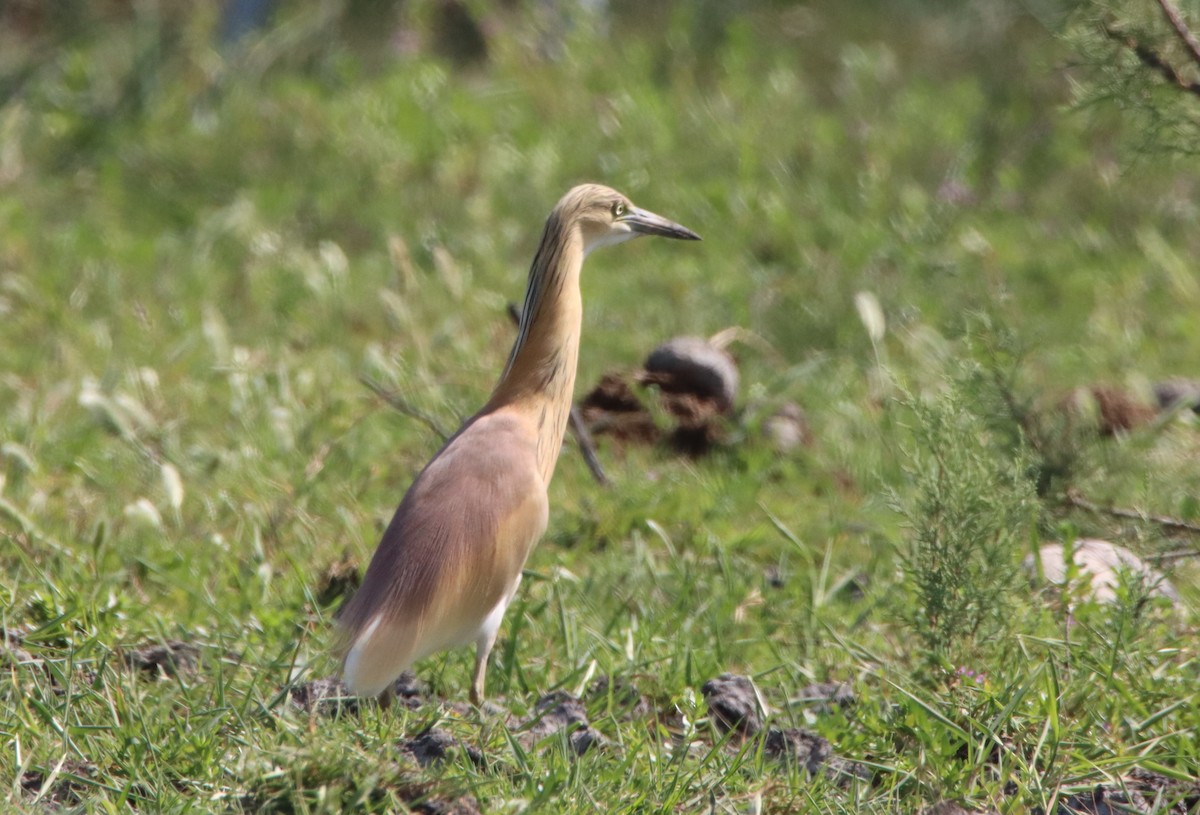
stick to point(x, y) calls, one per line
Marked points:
point(968, 506)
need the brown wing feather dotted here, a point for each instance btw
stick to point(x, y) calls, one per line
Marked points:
point(452, 551)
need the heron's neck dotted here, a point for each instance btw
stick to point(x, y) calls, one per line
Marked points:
point(539, 379)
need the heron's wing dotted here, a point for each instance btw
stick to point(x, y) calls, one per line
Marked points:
point(452, 552)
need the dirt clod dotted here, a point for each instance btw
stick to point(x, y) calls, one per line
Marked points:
point(696, 394)
point(812, 753)
point(585, 739)
point(692, 412)
point(624, 695)
point(429, 747)
point(800, 746)
point(1111, 410)
point(435, 745)
point(825, 696)
point(692, 366)
point(338, 579)
point(613, 409)
point(1087, 803)
point(325, 697)
point(561, 712)
point(1178, 393)
point(331, 697)
point(698, 385)
point(1147, 791)
point(68, 787)
point(408, 691)
point(466, 805)
point(734, 704)
point(612, 394)
point(1142, 791)
point(954, 808)
point(164, 659)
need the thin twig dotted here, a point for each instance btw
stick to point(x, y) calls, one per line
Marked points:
point(587, 446)
point(1178, 554)
point(1177, 22)
point(578, 428)
point(1174, 524)
point(1153, 60)
point(399, 403)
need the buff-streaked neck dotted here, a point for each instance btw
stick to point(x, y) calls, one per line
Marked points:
point(539, 378)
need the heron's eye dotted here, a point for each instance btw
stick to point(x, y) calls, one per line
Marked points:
point(618, 209)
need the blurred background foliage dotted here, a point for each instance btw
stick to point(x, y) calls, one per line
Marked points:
point(855, 148)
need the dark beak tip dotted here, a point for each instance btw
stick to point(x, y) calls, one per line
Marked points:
point(681, 232)
point(647, 223)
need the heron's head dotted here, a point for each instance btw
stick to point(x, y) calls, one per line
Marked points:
point(606, 217)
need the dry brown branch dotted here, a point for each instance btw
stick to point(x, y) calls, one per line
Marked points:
point(1173, 524)
point(1153, 60)
point(399, 403)
point(1180, 25)
point(1180, 554)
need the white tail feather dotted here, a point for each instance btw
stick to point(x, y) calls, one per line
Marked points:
point(368, 671)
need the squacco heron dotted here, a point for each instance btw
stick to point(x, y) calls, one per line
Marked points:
point(450, 561)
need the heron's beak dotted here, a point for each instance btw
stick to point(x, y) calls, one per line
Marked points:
point(647, 223)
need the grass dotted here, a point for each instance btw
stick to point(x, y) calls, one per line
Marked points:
point(202, 254)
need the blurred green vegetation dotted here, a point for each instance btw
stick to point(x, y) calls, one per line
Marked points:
point(1144, 60)
point(204, 244)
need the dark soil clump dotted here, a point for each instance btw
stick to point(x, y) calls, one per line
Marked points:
point(466, 805)
point(1113, 410)
point(435, 745)
point(693, 366)
point(339, 579)
point(954, 808)
point(812, 753)
point(800, 746)
point(734, 704)
point(825, 696)
point(166, 659)
point(613, 409)
point(1175, 393)
point(624, 695)
point(1142, 791)
point(68, 789)
point(560, 712)
point(325, 697)
point(331, 697)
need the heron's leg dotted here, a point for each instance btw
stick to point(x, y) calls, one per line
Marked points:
point(483, 647)
point(487, 639)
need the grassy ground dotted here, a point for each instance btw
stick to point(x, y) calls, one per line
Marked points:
point(202, 255)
